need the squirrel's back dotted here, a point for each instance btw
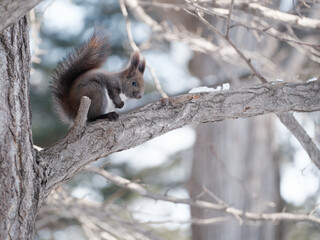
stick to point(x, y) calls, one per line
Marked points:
point(92, 54)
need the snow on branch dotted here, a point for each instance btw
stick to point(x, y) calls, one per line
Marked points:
point(101, 138)
point(221, 9)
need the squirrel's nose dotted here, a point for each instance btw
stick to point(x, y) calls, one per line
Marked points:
point(138, 95)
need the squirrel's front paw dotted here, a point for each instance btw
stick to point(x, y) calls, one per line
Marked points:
point(119, 105)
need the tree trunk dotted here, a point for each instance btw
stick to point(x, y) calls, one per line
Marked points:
point(27, 176)
point(233, 160)
point(19, 189)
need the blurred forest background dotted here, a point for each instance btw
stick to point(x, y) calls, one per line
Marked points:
point(252, 164)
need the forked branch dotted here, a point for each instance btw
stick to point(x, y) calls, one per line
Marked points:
point(101, 138)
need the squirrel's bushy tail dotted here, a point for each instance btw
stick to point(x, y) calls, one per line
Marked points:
point(92, 54)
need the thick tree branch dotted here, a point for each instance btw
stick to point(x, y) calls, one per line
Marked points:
point(101, 138)
point(12, 11)
point(287, 119)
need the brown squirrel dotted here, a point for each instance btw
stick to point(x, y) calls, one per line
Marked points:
point(79, 74)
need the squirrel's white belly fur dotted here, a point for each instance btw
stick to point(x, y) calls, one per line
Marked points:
point(110, 104)
point(123, 97)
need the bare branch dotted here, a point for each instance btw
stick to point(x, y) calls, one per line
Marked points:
point(82, 114)
point(101, 138)
point(229, 19)
point(240, 53)
point(285, 118)
point(207, 221)
point(284, 18)
point(312, 150)
point(98, 220)
point(140, 15)
point(128, 26)
point(124, 183)
point(156, 81)
point(258, 24)
point(193, 40)
point(12, 11)
point(297, 130)
point(136, 48)
point(220, 8)
point(257, 9)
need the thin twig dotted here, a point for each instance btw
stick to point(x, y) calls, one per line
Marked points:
point(239, 214)
point(207, 221)
point(156, 81)
point(229, 19)
point(136, 48)
point(240, 53)
point(128, 26)
point(209, 48)
point(285, 118)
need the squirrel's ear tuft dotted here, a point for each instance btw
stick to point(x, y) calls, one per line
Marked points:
point(142, 65)
point(134, 59)
point(134, 63)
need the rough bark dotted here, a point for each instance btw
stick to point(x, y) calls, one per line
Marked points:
point(12, 11)
point(101, 138)
point(28, 177)
point(234, 159)
point(19, 186)
point(243, 173)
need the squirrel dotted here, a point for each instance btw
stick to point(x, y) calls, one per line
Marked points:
point(79, 74)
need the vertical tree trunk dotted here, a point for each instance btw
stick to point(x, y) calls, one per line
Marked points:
point(19, 189)
point(233, 159)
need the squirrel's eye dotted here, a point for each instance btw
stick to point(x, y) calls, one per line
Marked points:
point(134, 84)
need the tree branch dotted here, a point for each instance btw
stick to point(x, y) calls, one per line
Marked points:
point(221, 8)
point(261, 11)
point(278, 16)
point(287, 119)
point(81, 118)
point(101, 138)
point(297, 130)
point(96, 219)
point(193, 40)
point(258, 25)
point(229, 19)
point(12, 11)
point(237, 213)
point(136, 48)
